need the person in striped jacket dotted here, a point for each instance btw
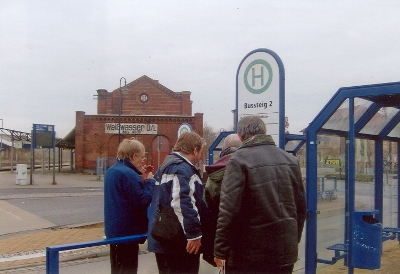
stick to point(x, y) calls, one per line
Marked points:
point(178, 184)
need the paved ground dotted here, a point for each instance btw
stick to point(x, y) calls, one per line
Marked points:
point(23, 249)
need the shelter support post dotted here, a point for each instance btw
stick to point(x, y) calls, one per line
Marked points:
point(12, 154)
point(398, 188)
point(311, 192)
point(346, 199)
point(59, 158)
point(351, 182)
point(379, 179)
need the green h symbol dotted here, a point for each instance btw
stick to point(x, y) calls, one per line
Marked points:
point(254, 76)
point(246, 77)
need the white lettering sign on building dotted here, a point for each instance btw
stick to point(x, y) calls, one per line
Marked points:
point(113, 128)
point(260, 90)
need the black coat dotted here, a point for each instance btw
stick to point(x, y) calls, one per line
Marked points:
point(262, 208)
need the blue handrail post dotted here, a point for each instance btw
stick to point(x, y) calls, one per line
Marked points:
point(52, 261)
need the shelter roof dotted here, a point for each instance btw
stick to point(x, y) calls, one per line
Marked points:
point(376, 111)
point(68, 141)
point(15, 134)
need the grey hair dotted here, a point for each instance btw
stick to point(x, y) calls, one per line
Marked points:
point(232, 140)
point(250, 126)
point(128, 147)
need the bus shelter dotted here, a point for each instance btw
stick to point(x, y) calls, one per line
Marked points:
point(354, 113)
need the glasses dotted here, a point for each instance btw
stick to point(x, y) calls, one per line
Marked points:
point(142, 157)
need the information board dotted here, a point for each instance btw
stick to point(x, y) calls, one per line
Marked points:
point(43, 136)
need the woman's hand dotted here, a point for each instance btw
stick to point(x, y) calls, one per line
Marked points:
point(147, 172)
point(150, 175)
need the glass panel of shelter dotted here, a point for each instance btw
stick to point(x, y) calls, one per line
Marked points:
point(340, 119)
point(379, 121)
point(395, 132)
point(292, 145)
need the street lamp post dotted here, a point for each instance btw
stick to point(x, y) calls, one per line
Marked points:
point(121, 91)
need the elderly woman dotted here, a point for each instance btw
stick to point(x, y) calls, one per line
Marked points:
point(128, 189)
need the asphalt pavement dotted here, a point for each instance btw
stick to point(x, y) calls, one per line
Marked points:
point(25, 236)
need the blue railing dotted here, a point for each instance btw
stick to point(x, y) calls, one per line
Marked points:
point(52, 252)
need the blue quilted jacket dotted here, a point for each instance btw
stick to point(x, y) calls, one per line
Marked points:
point(126, 199)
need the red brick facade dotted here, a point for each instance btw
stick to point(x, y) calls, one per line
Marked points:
point(147, 105)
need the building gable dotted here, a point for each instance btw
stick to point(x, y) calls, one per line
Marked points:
point(145, 96)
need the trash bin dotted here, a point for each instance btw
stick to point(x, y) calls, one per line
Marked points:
point(21, 174)
point(367, 240)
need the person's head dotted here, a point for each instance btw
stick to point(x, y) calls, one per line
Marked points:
point(232, 140)
point(250, 126)
point(133, 150)
point(190, 145)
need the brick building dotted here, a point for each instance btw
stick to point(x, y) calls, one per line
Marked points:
point(150, 112)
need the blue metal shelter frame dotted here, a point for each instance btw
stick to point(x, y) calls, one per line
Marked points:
point(294, 142)
point(355, 121)
point(217, 145)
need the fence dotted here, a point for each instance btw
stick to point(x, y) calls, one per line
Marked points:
point(102, 164)
point(52, 252)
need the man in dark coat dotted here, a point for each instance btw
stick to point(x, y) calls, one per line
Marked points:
point(262, 208)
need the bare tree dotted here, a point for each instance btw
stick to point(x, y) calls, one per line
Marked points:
point(287, 125)
point(209, 133)
point(99, 142)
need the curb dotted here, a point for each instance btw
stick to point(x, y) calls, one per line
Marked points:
point(61, 260)
point(68, 259)
point(82, 225)
point(48, 195)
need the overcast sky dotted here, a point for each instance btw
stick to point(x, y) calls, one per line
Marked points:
point(54, 55)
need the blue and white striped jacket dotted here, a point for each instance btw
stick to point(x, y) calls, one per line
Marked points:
point(177, 183)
